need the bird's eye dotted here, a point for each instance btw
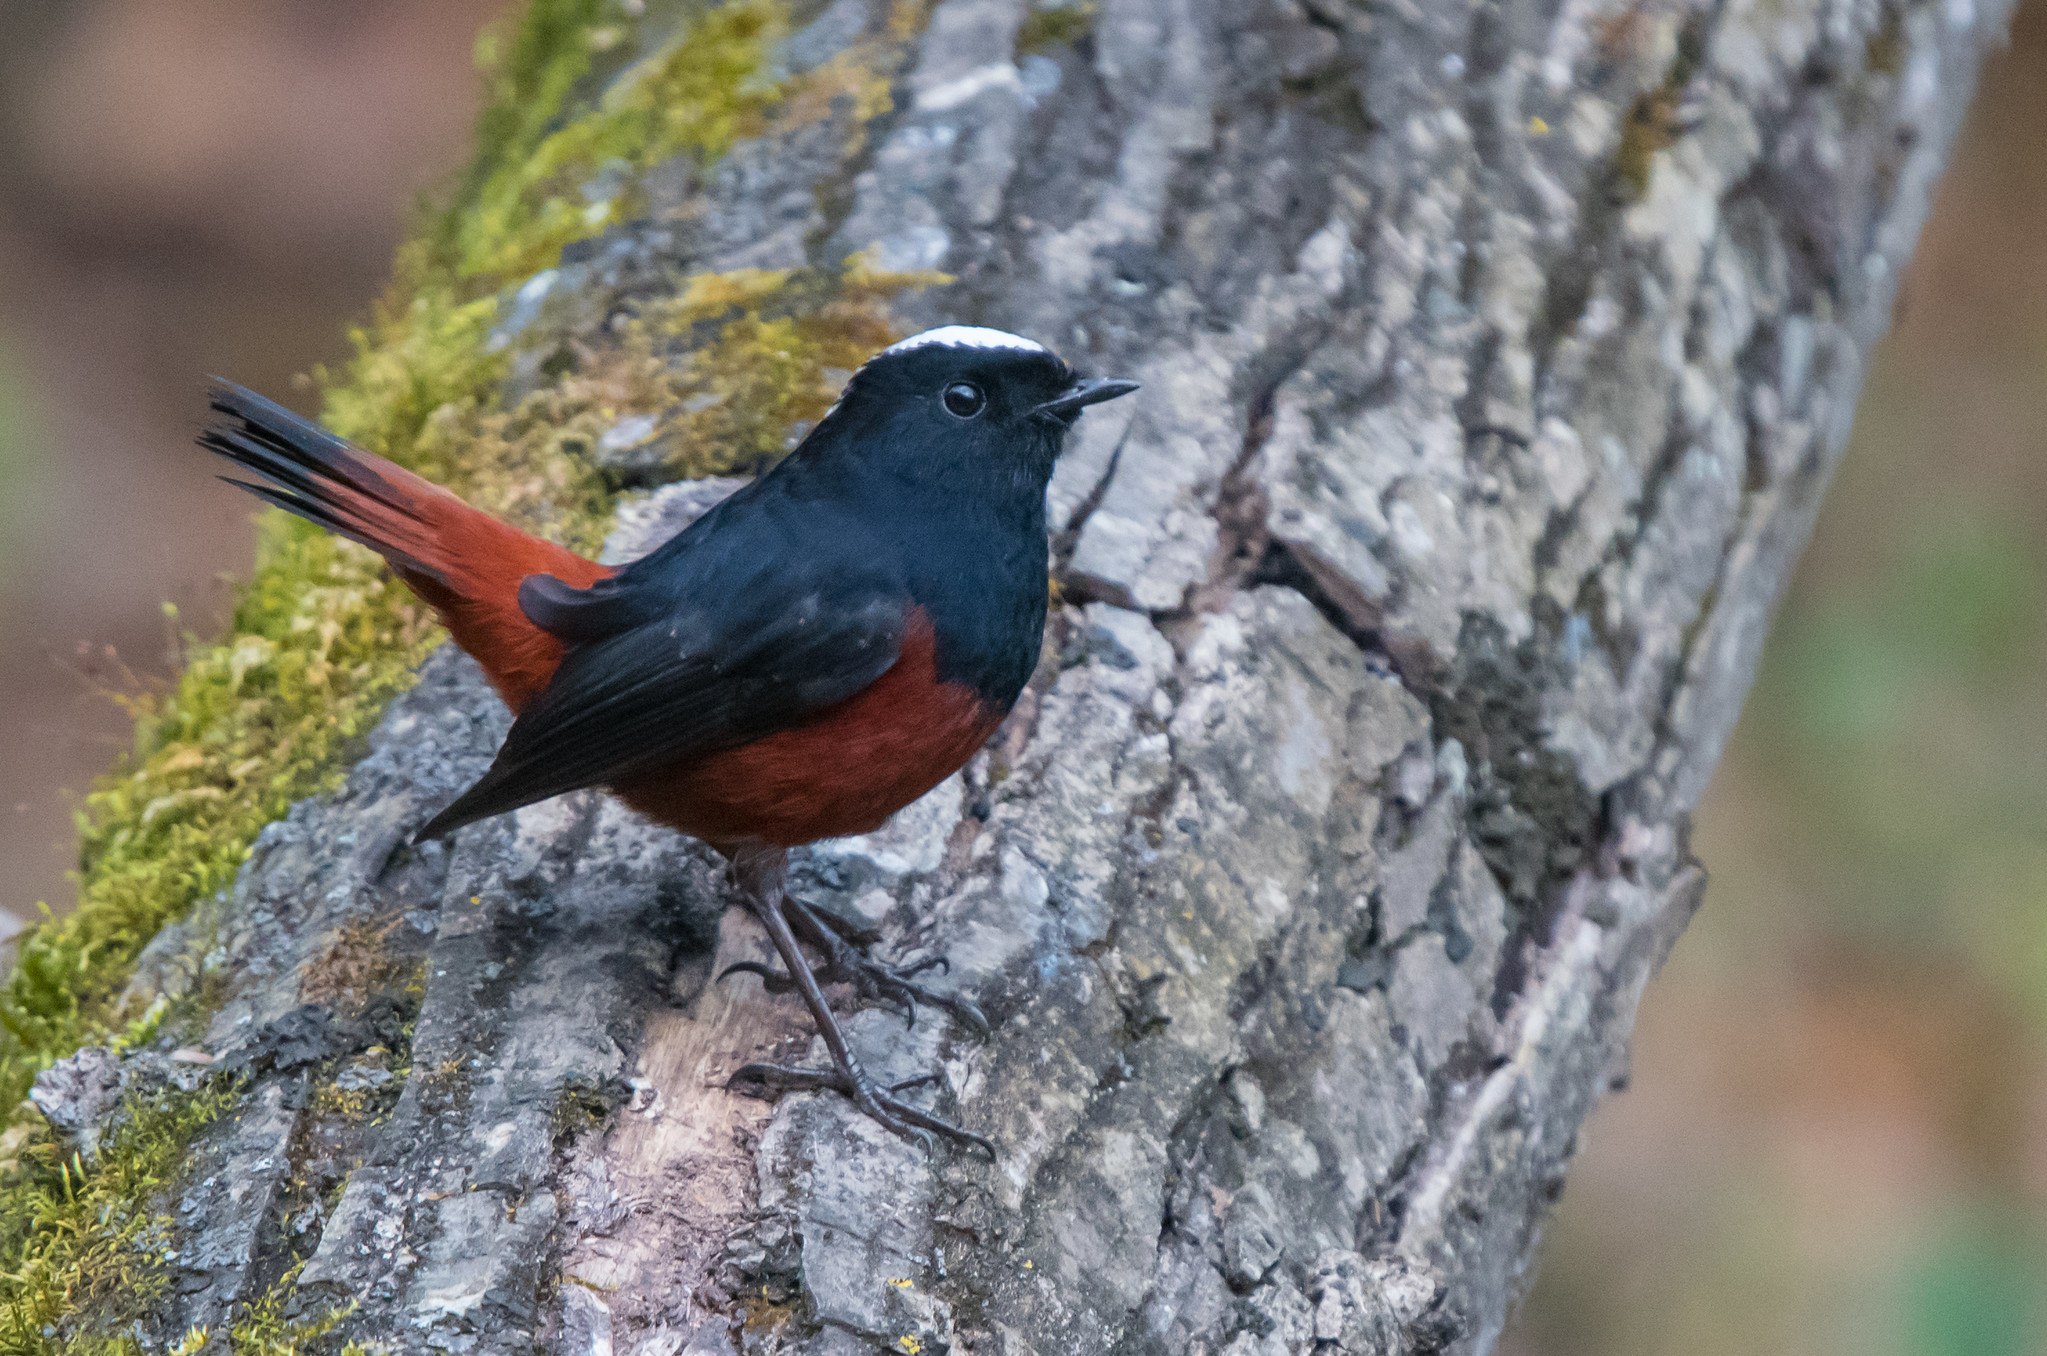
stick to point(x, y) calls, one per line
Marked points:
point(964, 400)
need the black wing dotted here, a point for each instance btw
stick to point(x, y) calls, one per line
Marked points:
point(684, 685)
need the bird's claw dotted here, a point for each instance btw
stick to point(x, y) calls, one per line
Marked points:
point(773, 980)
point(778, 982)
point(844, 929)
point(877, 1101)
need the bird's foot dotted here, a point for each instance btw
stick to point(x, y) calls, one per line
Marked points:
point(847, 961)
point(878, 1101)
point(760, 874)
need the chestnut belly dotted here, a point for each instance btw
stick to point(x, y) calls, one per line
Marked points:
point(844, 771)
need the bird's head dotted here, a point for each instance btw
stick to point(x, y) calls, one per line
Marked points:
point(963, 399)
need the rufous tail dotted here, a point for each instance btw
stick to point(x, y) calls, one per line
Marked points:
point(464, 562)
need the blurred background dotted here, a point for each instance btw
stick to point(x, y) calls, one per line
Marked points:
point(1836, 1138)
point(185, 188)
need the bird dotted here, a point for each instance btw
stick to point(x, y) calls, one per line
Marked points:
point(822, 647)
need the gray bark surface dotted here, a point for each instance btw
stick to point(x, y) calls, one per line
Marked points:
point(1495, 357)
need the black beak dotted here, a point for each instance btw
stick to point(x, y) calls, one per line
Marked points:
point(1082, 394)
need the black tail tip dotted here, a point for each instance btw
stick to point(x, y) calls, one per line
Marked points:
point(433, 831)
point(449, 818)
point(231, 398)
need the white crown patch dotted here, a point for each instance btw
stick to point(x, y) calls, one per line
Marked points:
point(966, 336)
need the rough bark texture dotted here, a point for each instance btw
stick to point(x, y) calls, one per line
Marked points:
point(1495, 356)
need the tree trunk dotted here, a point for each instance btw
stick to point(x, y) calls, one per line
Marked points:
point(1495, 356)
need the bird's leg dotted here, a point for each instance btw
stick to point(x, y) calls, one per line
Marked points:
point(760, 874)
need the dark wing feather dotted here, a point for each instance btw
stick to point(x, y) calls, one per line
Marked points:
point(681, 687)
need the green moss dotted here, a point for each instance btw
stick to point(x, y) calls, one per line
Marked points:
point(424, 350)
point(1056, 25)
point(85, 1243)
point(580, 1109)
point(695, 97)
point(766, 352)
point(322, 638)
point(264, 1327)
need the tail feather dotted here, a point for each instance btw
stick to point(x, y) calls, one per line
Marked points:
point(465, 563)
point(322, 478)
point(308, 509)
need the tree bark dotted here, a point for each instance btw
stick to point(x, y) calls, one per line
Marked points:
point(1495, 356)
